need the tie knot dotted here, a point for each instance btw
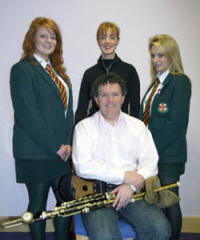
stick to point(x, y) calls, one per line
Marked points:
point(49, 67)
point(157, 81)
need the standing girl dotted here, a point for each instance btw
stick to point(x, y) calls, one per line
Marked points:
point(165, 111)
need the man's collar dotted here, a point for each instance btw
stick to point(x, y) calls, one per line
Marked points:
point(104, 121)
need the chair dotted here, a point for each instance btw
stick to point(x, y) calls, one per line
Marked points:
point(126, 229)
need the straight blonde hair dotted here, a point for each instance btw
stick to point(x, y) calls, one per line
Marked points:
point(169, 48)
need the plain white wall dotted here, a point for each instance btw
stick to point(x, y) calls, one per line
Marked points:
point(78, 21)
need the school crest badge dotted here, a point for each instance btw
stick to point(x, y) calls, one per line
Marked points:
point(163, 108)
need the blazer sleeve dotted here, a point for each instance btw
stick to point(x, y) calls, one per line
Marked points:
point(27, 114)
point(175, 125)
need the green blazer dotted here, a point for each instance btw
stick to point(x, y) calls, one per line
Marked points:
point(168, 123)
point(40, 126)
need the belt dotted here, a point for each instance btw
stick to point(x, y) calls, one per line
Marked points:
point(101, 187)
point(111, 185)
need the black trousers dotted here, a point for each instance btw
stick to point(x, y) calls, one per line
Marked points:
point(38, 195)
point(173, 213)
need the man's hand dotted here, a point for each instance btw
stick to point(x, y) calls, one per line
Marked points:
point(134, 178)
point(124, 194)
point(64, 152)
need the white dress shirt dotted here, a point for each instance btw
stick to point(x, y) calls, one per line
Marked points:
point(104, 152)
point(44, 64)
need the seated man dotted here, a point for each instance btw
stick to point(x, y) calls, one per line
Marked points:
point(115, 148)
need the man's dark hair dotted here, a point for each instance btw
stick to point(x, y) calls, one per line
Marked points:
point(107, 78)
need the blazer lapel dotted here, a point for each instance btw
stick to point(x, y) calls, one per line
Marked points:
point(167, 80)
point(142, 103)
point(46, 77)
point(164, 85)
point(161, 91)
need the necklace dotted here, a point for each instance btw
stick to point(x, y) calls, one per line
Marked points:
point(107, 68)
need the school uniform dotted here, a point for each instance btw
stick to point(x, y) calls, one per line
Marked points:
point(41, 126)
point(168, 124)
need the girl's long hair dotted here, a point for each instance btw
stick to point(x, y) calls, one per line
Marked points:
point(29, 45)
point(169, 48)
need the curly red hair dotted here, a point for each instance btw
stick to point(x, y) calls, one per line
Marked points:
point(29, 44)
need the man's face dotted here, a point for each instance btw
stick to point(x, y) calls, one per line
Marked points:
point(110, 100)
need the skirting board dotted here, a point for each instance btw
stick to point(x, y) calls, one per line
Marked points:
point(190, 225)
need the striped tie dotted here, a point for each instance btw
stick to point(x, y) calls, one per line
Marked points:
point(146, 114)
point(59, 84)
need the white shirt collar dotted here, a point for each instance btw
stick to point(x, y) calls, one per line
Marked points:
point(163, 75)
point(41, 60)
point(104, 122)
